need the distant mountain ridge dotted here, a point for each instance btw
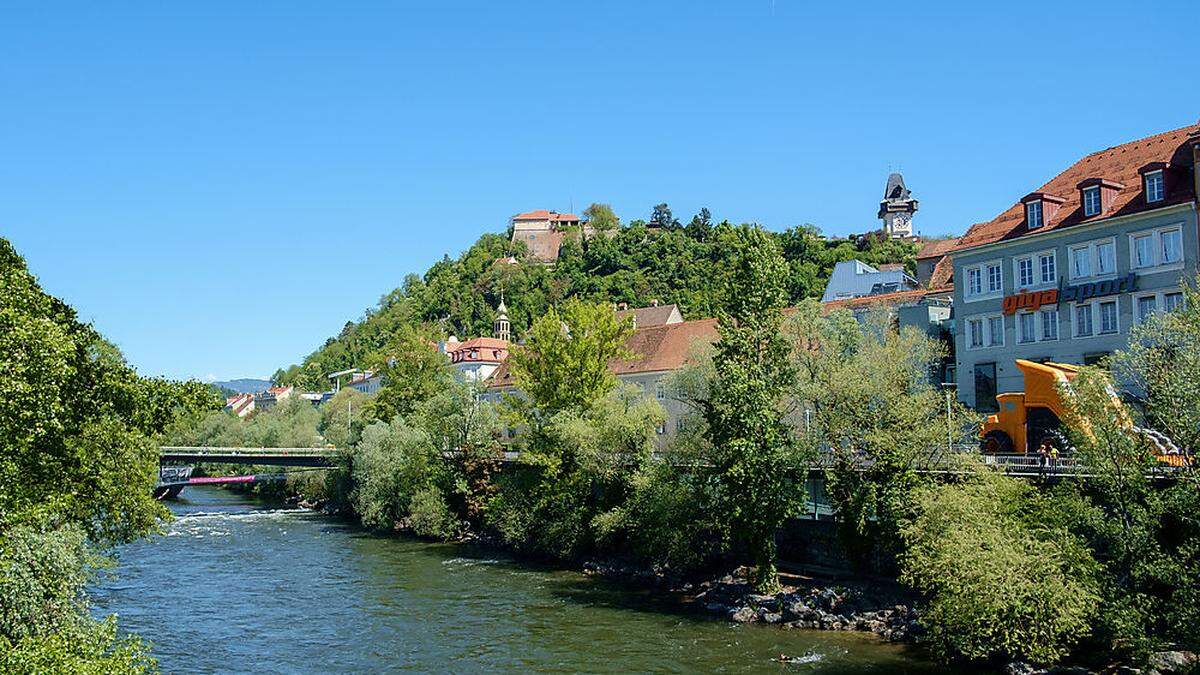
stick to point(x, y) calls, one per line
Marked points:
point(245, 385)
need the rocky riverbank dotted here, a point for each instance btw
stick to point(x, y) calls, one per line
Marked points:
point(804, 603)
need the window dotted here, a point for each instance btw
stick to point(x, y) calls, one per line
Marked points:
point(985, 387)
point(1154, 186)
point(1024, 272)
point(995, 331)
point(984, 280)
point(1146, 305)
point(1049, 324)
point(974, 281)
point(975, 333)
point(1091, 201)
point(1143, 251)
point(1033, 214)
point(1172, 246)
point(1049, 271)
point(1159, 247)
point(1106, 257)
point(1108, 316)
point(1081, 262)
point(1027, 328)
point(1095, 358)
point(1172, 301)
point(1083, 320)
point(995, 280)
point(660, 390)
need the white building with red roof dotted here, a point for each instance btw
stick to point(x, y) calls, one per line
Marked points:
point(543, 232)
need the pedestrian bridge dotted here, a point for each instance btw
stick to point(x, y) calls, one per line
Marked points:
point(311, 457)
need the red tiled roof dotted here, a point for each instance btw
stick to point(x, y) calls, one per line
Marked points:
point(937, 248)
point(1118, 164)
point(943, 275)
point(543, 214)
point(896, 298)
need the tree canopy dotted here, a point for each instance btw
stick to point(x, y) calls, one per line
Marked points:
point(631, 263)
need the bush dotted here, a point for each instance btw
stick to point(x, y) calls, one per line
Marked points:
point(44, 622)
point(390, 465)
point(998, 585)
point(430, 517)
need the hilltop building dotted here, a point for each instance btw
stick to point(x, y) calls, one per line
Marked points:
point(543, 232)
point(897, 208)
point(1066, 271)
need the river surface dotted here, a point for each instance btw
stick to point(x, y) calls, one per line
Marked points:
point(239, 586)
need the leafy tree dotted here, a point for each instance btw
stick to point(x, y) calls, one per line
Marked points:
point(77, 466)
point(754, 462)
point(662, 218)
point(413, 370)
point(466, 429)
point(864, 394)
point(574, 474)
point(1000, 582)
point(701, 225)
point(563, 364)
point(391, 465)
point(344, 416)
point(601, 218)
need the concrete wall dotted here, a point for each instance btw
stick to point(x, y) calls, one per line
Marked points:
point(1067, 348)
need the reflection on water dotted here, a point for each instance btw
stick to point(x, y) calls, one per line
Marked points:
point(235, 586)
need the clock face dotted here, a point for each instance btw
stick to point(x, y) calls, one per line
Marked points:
point(900, 222)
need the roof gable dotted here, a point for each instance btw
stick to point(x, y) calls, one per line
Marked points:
point(1120, 165)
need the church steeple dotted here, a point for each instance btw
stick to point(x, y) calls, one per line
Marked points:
point(500, 327)
point(897, 208)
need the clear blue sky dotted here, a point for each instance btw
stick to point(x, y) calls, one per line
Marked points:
point(219, 188)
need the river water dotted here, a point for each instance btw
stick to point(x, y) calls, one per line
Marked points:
point(239, 586)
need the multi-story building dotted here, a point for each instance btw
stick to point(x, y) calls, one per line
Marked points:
point(1064, 273)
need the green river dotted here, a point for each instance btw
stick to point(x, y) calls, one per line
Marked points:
point(239, 586)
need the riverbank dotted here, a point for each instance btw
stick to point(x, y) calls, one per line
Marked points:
point(236, 581)
point(806, 602)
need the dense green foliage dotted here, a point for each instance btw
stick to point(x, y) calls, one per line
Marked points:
point(1002, 581)
point(77, 467)
point(1101, 569)
point(687, 265)
point(755, 469)
point(864, 393)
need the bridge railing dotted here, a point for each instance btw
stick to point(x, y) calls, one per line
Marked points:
point(246, 452)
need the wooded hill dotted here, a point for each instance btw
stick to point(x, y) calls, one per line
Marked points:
point(635, 263)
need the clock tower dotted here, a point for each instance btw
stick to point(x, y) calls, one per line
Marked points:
point(897, 208)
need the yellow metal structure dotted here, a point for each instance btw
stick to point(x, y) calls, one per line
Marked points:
point(1028, 419)
point(1041, 393)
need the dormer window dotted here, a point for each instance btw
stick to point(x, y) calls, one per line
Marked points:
point(1155, 188)
point(1091, 201)
point(1040, 208)
point(1097, 195)
point(1033, 214)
